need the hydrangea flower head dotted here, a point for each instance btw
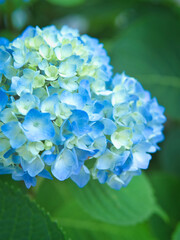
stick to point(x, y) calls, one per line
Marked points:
point(60, 109)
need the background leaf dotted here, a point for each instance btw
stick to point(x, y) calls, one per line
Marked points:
point(132, 204)
point(21, 219)
point(78, 224)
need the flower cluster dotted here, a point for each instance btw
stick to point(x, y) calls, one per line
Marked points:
point(61, 111)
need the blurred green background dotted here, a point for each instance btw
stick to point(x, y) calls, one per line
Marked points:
point(142, 39)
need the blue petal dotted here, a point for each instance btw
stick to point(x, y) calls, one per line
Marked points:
point(84, 154)
point(102, 176)
point(49, 158)
point(98, 107)
point(65, 131)
point(38, 126)
point(13, 131)
point(16, 159)
point(4, 41)
point(5, 59)
point(6, 170)
point(9, 153)
point(100, 144)
point(26, 102)
point(29, 181)
point(64, 165)
point(34, 167)
point(84, 91)
point(97, 129)
point(19, 175)
point(109, 126)
point(28, 32)
point(82, 178)
point(79, 122)
point(115, 182)
point(141, 159)
point(45, 174)
point(48, 105)
point(74, 100)
point(3, 100)
point(107, 160)
point(21, 85)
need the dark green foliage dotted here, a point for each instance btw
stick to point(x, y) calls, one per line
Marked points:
point(170, 159)
point(21, 219)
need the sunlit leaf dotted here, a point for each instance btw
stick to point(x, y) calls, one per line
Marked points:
point(132, 204)
point(77, 223)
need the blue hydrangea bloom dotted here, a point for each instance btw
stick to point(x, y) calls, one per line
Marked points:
point(60, 107)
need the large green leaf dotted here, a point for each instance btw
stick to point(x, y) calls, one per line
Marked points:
point(176, 235)
point(21, 219)
point(149, 50)
point(132, 204)
point(77, 223)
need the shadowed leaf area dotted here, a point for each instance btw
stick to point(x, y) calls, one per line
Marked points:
point(21, 219)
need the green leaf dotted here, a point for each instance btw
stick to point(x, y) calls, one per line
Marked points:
point(132, 204)
point(169, 157)
point(77, 223)
point(89, 228)
point(66, 3)
point(149, 50)
point(166, 189)
point(21, 219)
point(176, 235)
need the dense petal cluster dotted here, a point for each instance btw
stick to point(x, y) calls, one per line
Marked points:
point(61, 111)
